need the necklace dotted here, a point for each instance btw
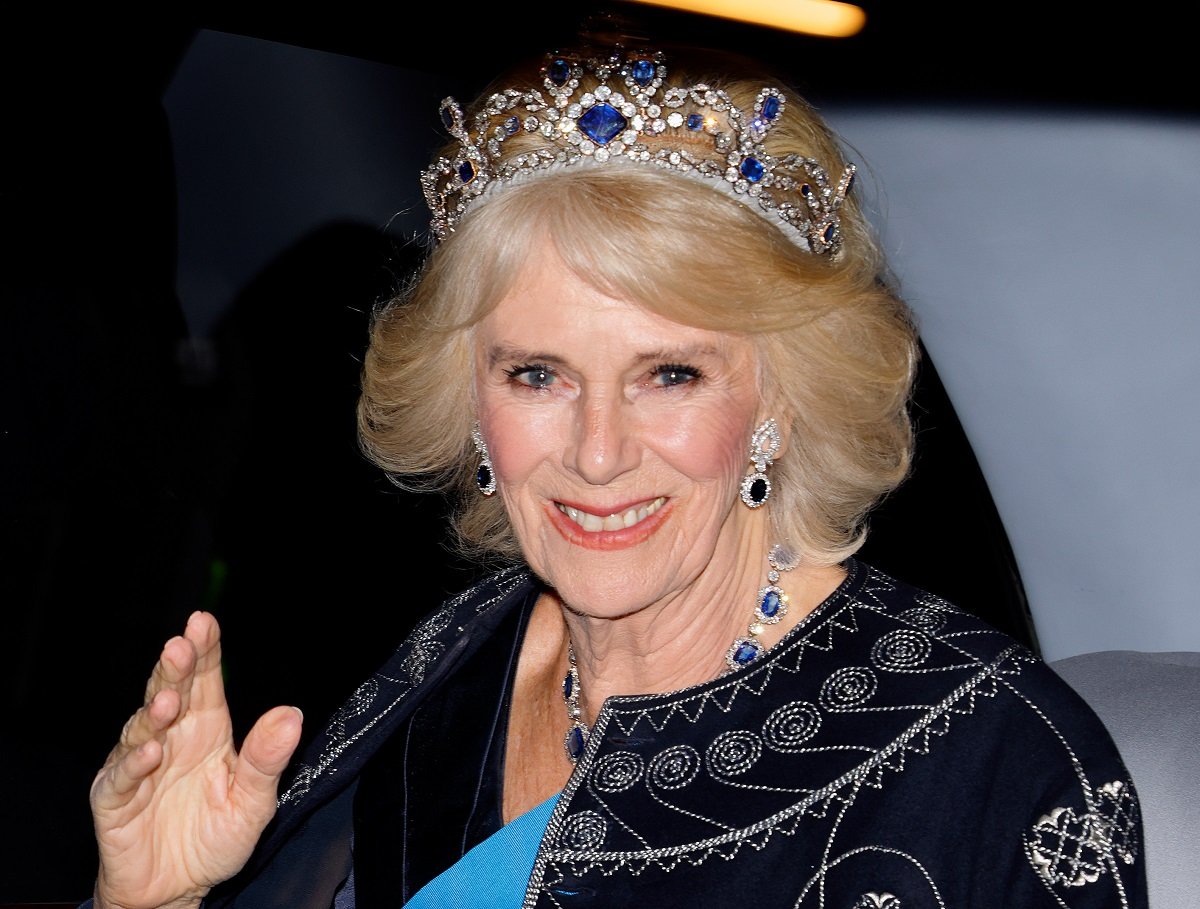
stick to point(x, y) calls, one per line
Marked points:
point(771, 606)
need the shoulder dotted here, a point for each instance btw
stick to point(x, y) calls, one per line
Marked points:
point(921, 639)
point(1044, 750)
point(430, 652)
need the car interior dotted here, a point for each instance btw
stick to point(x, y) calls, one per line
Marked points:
point(201, 214)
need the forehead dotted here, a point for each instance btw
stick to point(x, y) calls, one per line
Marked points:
point(549, 306)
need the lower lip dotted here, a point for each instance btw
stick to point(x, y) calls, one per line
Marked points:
point(608, 539)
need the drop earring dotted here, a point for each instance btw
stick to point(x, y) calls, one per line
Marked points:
point(764, 445)
point(485, 477)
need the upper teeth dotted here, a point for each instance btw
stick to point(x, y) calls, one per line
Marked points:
point(622, 519)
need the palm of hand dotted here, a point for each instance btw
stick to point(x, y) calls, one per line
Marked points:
point(176, 808)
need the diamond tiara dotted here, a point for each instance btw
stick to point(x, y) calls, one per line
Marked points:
point(629, 116)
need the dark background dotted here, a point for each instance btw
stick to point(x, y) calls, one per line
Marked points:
point(139, 484)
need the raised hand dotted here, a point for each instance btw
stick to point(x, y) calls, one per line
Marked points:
point(177, 809)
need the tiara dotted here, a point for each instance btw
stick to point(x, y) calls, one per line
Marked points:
point(629, 116)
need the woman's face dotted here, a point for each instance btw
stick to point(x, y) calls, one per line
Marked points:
point(618, 438)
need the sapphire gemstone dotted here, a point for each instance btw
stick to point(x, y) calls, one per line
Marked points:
point(568, 686)
point(695, 122)
point(643, 72)
point(753, 170)
point(602, 124)
point(447, 118)
point(560, 72)
point(770, 604)
point(483, 477)
point(771, 107)
point(829, 232)
point(746, 652)
point(758, 490)
point(466, 173)
point(575, 742)
point(511, 125)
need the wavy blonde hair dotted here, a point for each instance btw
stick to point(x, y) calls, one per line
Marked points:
point(837, 345)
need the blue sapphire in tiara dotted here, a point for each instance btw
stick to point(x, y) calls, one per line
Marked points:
point(559, 72)
point(752, 169)
point(602, 124)
point(643, 72)
point(625, 116)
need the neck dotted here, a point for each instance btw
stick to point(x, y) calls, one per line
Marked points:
point(683, 640)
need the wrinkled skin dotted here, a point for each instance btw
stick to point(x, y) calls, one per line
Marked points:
point(177, 809)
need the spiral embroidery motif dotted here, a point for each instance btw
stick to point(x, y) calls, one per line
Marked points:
point(904, 648)
point(674, 767)
point(790, 726)
point(734, 752)
point(617, 772)
point(582, 831)
point(848, 687)
point(928, 620)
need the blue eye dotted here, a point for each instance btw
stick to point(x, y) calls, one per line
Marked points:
point(672, 374)
point(533, 375)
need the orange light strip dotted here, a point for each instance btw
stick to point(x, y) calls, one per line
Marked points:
point(825, 18)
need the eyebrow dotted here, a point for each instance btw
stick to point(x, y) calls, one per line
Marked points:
point(682, 353)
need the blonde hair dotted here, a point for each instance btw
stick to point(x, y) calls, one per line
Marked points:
point(838, 346)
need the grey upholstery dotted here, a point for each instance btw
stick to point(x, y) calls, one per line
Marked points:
point(1150, 703)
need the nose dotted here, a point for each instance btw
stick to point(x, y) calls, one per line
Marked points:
point(604, 439)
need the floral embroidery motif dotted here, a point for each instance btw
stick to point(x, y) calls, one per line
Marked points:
point(877, 901)
point(1070, 850)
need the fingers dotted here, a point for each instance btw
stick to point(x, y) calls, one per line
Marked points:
point(168, 696)
point(264, 756)
point(208, 688)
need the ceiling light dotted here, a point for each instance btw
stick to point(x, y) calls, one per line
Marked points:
point(825, 18)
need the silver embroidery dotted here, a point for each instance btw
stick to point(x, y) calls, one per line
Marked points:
point(1071, 850)
point(584, 830)
point(618, 772)
point(674, 767)
point(733, 753)
point(424, 650)
point(904, 648)
point(848, 687)
point(877, 901)
point(790, 726)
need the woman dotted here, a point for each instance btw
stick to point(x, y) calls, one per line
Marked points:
point(656, 352)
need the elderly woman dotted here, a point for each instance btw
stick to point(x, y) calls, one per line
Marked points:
point(655, 352)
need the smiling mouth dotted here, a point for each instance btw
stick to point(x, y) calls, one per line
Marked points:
point(593, 523)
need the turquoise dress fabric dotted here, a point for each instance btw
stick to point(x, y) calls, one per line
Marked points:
point(495, 873)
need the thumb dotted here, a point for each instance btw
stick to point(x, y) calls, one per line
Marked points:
point(265, 754)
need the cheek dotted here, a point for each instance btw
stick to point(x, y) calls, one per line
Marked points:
point(708, 445)
point(519, 438)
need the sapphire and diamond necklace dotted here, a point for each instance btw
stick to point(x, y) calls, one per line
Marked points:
point(770, 607)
